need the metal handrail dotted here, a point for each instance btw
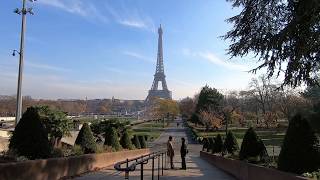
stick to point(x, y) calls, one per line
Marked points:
point(144, 159)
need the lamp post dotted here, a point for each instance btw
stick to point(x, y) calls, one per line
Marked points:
point(23, 12)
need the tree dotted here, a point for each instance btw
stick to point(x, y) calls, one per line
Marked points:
point(252, 146)
point(300, 151)
point(187, 107)
point(209, 105)
point(210, 119)
point(211, 144)
point(125, 140)
point(312, 93)
point(56, 124)
point(230, 143)
point(280, 33)
point(210, 99)
point(86, 140)
point(218, 144)
point(142, 141)
point(160, 108)
point(136, 142)
point(112, 139)
point(30, 138)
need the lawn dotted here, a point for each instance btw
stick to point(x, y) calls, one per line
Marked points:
point(151, 129)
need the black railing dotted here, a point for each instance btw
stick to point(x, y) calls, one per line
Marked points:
point(142, 160)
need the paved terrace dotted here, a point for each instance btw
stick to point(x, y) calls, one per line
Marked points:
point(196, 167)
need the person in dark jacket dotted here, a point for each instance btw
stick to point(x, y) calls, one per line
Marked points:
point(183, 152)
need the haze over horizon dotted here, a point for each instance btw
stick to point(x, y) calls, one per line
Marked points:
point(77, 49)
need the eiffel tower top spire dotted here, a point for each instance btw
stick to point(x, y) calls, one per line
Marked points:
point(159, 74)
point(160, 67)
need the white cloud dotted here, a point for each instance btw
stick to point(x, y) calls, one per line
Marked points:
point(211, 57)
point(138, 56)
point(76, 7)
point(46, 67)
point(131, 18)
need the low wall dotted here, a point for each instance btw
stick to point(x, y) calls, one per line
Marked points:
point(55, 168)
point(246, 171)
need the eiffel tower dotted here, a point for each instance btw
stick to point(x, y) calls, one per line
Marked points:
point(159, 75)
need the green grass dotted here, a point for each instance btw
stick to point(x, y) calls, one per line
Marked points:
point(151, 129)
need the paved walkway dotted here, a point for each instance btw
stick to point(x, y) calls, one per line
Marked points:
point(197, 168)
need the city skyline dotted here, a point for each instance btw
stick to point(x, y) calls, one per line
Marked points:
point(76, 49)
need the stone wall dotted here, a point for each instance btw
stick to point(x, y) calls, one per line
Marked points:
point(56, 168)
point(246, 171)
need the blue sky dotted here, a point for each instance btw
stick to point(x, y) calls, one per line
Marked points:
point(100, 49)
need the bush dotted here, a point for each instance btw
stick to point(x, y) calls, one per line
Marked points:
point(142, 141)
point(252, 146)
point(30, 139)
point(146, 137)
point(218, 144)
point(230, 143)
point(136, 142)
point(125, 141)
point(205, 143)
point(86, 140)
point(76, 151)
point(57, 152)
point(300, 151)
point(210, 144)
point(112, 139)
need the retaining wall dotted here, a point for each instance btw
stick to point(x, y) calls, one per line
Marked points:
point(56, 168)
point(246, 171)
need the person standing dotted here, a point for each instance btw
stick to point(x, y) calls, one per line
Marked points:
point(170, 151)
point(183, 152)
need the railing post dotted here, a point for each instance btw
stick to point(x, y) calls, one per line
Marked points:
point(159, 167)
point(162, 163)
point(127, 163)
point(141, 171)
point(152, 167)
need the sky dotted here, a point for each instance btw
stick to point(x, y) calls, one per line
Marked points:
point(100, 49)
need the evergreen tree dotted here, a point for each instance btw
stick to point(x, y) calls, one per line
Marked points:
point(209, 99)
point(112, 139)
point(300, 151)
point(136, 142)
point(210, 144)
point(252, 146)
point(30, 139)
point(142, 141)
point(283, 35)
point(218, 144)
point(230, 143)
point(125, 140)
point(205, 143)
point(86, 140)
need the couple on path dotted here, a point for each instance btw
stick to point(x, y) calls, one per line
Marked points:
point(183, 152)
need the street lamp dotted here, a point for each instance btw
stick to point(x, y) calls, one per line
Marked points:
point(23, 12)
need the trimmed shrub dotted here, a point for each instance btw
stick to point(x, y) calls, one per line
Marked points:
point(30, 139)
point(205, 143)
point(86, 140)
point(125, 141)
point(230, 143)
point(218, 144)
point(146, 137)
point(300, 151)
point(252, 146)
point(136, 142)
point(210, 144)
point(142, 141)
point(112, 139)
